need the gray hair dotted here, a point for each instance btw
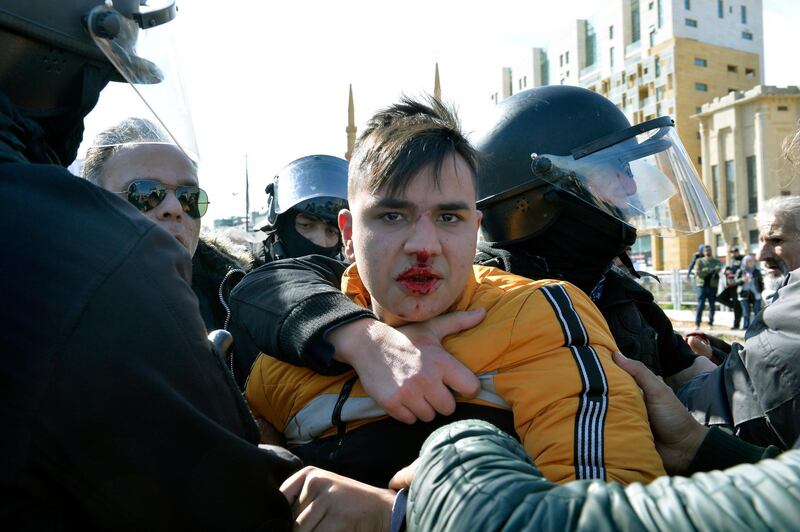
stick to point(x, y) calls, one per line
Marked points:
point(786, 208)
point(109, 141)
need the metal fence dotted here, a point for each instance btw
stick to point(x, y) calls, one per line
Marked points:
point(672, 289)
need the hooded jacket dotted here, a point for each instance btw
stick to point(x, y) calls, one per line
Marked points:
point(115, 413)
point(543, 351)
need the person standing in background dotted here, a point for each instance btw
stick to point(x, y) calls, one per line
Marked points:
point(729, 296)
point(708, 269)
point(751, 284)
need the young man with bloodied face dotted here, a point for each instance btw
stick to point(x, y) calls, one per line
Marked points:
point(542, 352)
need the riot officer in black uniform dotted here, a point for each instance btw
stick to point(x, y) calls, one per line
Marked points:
point(115, 412)
point(303, 204)
point(565, 182)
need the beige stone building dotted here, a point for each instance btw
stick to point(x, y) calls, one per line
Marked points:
point(741, 136)
point(653, 58)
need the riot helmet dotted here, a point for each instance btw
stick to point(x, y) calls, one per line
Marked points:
point(313, 188)
point(553, 144)
point(566, 177)
point(95, 42)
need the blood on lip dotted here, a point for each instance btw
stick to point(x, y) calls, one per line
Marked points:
point(418, 280)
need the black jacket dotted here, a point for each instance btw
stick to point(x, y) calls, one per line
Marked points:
point(284, 308)
point(215, 271)
point(115, 413)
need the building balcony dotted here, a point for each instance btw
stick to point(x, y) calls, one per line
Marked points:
point(633, 48)
point(590, 73)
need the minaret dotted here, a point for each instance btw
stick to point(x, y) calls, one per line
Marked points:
point(351, 126)
point(437, 88)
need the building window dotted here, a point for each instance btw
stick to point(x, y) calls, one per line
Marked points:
point(699, 61)
point(730, 188)
point(561, 60)
point(743, 12)
point(611, 57)
point(519, 83)
point(720, 9)
point(733, 68)
point(753, 237)
point(698, 109)
point(752, 187)
point(687, 5)
point(660, 14)
point(566, 58)
point(657, 66)
point(624, 100)
point(747, 36)
point(652, 38)
point(692, 23)
point(545, 68)
point(659, 93)
point(611, 32)
point(697, 134)
point(750, 72)
point(701, 87)
point(783, 108)
point(591, 44)
point(715, 184)
point(699, 161)
point(635, 21)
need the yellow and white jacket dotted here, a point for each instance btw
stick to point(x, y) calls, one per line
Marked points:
point(543, 351)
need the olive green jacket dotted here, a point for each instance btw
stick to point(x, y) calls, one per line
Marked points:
point(471, 476)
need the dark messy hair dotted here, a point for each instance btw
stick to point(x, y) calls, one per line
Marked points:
point(402, 139)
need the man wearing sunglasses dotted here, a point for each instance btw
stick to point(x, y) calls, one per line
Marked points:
point(115, 412)
point(138, 161)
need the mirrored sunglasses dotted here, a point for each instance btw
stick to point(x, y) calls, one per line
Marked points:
point(147, 194)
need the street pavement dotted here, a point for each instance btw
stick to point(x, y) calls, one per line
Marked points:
point(683, 322)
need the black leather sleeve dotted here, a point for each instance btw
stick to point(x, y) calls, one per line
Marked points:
point(285, 308)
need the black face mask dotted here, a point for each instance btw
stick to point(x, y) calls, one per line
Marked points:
point(296, 245)
point(581, 245)
point(63, 127)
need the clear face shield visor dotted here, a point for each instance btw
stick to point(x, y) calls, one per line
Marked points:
point(142, 48)
point(641, 176)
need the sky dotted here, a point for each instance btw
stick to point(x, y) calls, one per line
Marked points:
point(268, 82)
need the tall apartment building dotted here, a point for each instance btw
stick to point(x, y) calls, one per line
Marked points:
point(741, 136)
point(653, 58)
